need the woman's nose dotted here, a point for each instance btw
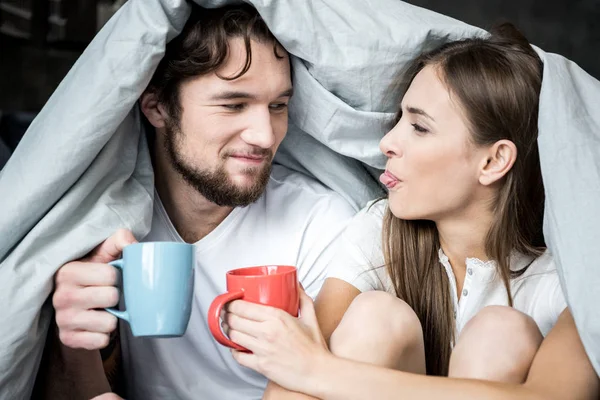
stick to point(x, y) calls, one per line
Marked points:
point(390, 145)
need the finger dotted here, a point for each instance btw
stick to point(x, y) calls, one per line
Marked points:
point(308, 316)
point(223, 316)
point(307, 309)
point(245, 359)
point(255, 312)
point(87, 274)
point(245, 340)
point(86, 298)
point(225, 328)
point(84, 340)
point(112, 247)
point(243, 325)
point(108, 396)
point(89, 321)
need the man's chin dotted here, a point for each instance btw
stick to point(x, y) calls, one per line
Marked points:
point(248, 177)
point(244, 184)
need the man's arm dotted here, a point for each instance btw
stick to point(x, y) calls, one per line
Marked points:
point(67, 373)
point(83, 287)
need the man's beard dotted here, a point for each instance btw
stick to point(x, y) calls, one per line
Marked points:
point(215, 185)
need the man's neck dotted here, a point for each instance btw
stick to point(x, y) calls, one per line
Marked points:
point(192, 215)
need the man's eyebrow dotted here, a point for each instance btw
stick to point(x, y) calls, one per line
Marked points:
point(230, 95)
point(287, 93)
point(414, 110)
point(237, 95)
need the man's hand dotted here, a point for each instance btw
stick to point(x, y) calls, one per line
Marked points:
point(82, 287)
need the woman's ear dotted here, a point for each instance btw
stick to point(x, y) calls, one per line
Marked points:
point(500, 158)
point(153, 109)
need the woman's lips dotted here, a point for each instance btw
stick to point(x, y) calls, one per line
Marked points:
point(388, 179)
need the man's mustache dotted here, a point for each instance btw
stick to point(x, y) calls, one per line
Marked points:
point(255, 153)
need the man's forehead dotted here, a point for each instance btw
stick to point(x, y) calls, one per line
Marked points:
point(251, 86)
point(264, 58)
point(260, 79)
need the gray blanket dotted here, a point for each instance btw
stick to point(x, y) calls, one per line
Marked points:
point(83, 169)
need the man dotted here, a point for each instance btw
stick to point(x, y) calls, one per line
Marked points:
point(218, 105)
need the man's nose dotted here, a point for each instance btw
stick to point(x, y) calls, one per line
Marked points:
point(260, 130)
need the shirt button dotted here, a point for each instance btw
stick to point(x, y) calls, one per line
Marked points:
point(470, 271)
point(454, 314)
point(465, 292)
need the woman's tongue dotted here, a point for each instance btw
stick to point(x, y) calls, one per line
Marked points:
point(388, 180)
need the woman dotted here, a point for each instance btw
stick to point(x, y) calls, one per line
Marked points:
point(460, 283)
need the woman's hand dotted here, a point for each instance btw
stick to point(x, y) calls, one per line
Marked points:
point(108, 396)
point(283, 348)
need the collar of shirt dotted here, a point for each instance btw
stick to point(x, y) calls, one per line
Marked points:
point(482, 285)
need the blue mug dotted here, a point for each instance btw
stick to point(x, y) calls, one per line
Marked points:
point(158, 287)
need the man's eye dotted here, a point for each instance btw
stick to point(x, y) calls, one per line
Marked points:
point(235, 107)
point(278, 106)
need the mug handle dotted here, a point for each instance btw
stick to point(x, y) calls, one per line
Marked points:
point(119, 314)
point(214, 313)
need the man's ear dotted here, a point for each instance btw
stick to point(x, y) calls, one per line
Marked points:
point(500, 158)
point(153, 109)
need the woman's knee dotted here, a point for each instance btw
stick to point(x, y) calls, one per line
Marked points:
point(499, 343)
point(379, 314)
point(502, 323)
point(380, 322)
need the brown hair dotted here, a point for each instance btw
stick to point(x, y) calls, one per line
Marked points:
point(497, 81)
point(202, 47)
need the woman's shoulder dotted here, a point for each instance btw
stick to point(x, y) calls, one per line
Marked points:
point(369, 219)
point(360, 259)
point(364, 229)
point(541, 265)
point(538, 271)
point(538, 293)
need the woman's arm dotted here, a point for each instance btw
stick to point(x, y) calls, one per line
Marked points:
point(293, 353)
point(330, 306)
point(561, 370)
point(332, 303)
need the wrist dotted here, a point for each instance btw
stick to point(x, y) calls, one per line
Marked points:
point(322, 376)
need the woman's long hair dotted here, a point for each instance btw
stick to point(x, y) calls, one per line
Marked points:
point(497, 81)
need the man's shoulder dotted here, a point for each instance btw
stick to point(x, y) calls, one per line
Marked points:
point(301, 190)
point(295, 200)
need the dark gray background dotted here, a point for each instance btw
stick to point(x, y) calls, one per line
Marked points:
point(31, 67)
point(29, 73)
point(570, 28)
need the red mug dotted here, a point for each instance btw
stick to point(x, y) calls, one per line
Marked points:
point(271, 285)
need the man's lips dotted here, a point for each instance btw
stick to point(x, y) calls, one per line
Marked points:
point(250, 158)
point(388, 179)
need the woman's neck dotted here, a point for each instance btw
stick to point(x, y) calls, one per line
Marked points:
point(464, 237)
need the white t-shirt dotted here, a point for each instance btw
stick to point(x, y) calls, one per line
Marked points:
point(536, 293)
point(293, 223)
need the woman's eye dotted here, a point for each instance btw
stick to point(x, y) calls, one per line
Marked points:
point(419, 128)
